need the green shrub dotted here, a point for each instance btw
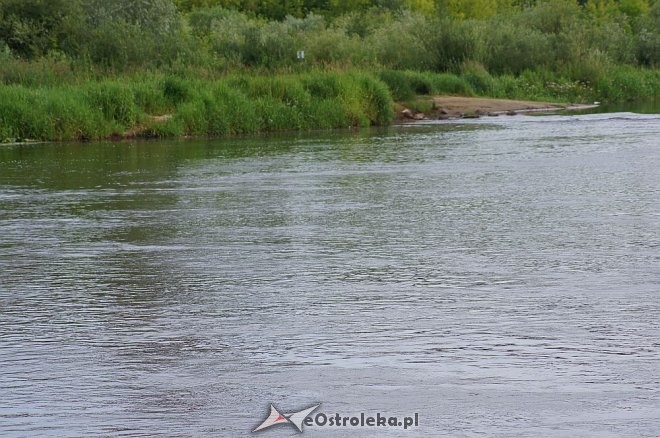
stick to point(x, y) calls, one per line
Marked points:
point(647, 47)
point(404, 44)
point(507, 48)
point(477, 76)
point(202, 20)
point(589, 68)
point(506, 87)
point(35, 28)
point(446, 83)
point(454, 43)
point(550, 16)
point(420, 82)
point(398, 83)
point(623, 83)
point(125, 34)
point(334, 46)
point(40, 72)
point(404, 85)
point(119, 45)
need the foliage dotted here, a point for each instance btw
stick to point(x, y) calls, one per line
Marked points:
point(34, 28)
point(157, 17)
point(52, 114)
point(477, 76)
point(405, 43)
point(155, 106)
point(507, 48)
point(505, 36)
point(405, 85)
point(79, 69)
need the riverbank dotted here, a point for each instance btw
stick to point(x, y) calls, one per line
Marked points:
point(158, 105)
point(456, 107)
point(149, 106)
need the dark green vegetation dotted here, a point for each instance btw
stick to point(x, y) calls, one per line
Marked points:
point(157, 106)
point(79, 69)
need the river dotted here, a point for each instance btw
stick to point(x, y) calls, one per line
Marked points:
point(497, 277)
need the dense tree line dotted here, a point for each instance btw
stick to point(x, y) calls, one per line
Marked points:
point(502, 36)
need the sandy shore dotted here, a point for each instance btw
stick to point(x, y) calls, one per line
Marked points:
point(451, 107)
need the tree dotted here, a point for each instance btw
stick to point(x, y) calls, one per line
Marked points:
point(634, 8)
point(122, 33)
point(426, 7)
point(478, 9)
point(159, 17)
point(32, 28)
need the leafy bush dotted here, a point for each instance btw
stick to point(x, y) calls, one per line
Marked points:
point(505, 87)
point(404, 85)
point(404, 43)
point(33, 28)
point(155, 17)
point(647, 44)
point(625, 83)
point(511, 49)
point(550, 17)
point(590, 68)
point(446, 83)
point(454, 43)
point(398, 83)
point(477, 76)
point(46, 71)
point(202, 21)
point(334, 46)
point(119, 45)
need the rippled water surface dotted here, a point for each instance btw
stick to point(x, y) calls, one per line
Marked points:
point(498, 277)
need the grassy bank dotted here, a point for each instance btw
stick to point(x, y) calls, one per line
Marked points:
point(60, 105)
point(152, 105)
point(615, 84)
point(89, 69)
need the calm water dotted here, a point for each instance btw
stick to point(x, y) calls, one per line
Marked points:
point(498, 277)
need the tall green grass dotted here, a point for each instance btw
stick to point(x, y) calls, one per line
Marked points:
point(628, 83)
point(611, 83)
point(161, 106)
point(405, 85)
point(50, 114)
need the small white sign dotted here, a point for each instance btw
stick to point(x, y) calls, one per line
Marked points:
point(300, 54)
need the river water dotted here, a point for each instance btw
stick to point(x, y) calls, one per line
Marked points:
point(497, 277)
